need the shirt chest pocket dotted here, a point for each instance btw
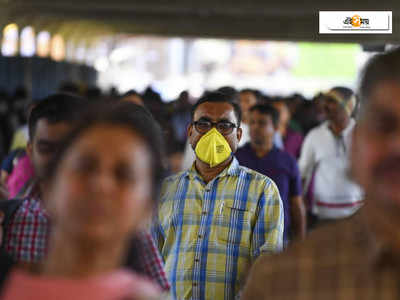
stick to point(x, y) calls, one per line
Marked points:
point(234, 224)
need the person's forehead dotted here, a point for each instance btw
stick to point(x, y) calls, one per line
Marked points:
point(247, 96)
point(126, 139)
point(215, 111)
point(51, 131)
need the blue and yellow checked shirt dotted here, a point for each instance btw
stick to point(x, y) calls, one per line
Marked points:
point(208, 234)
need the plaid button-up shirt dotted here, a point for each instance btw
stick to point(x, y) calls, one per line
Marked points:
point(209, 234)
point(28, 232)
point(339, 261)
point(26, 238)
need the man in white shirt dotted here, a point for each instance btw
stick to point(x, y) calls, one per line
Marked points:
point(324, 160)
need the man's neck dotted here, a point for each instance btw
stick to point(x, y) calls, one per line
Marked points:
point(263, 150)
point(283, 129)
point(338, 127)
point(208, 173)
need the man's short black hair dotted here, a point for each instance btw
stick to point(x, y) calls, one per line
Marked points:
point(131, 93)
point(344, 91)
point(215, 97)
point(267, 109)
point(56, 108)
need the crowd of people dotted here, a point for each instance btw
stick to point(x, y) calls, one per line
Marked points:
point(235, 195)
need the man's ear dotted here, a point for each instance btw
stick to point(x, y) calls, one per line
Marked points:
point(29, 149)
point(239, 134)
point(190, 132)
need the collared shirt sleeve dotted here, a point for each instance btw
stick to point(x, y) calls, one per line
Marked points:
point(268, 230)
point(295, 181)
point(157, 233)
point(151, 260)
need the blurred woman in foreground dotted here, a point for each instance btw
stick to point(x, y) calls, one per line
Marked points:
point(102, 186)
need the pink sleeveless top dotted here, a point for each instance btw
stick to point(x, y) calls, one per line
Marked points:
point(117, 285)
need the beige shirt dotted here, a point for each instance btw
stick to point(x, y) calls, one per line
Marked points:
point(340, 261)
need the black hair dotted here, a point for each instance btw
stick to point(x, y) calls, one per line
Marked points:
point(129, 115)
point(215, 97)
point(344, 91)
point(229, 91)
point(269, 110)
point(56, 108)
point(131, 93)
point(381, 67)
point(246, 90)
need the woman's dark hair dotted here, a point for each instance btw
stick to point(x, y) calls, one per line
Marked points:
point(125, 114)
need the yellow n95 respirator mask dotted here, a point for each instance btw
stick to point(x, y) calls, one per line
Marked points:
point(212, 148)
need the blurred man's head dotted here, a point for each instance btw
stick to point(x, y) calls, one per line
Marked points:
point(376, 141)
point(284, 116)
point(49, 122)
point(339, 104)
point(264, 120)
point(247, 99)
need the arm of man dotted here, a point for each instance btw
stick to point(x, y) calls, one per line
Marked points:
point(306, 161)
point(297, 207)
point(298, 214)
point(268, 230)
point(157, 233)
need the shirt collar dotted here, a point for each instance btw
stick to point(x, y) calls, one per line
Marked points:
point(273, 149)
point(345, 131)
point(349, 127)
point(232, 170)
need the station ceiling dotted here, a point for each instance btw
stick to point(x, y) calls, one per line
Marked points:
point(246, 19)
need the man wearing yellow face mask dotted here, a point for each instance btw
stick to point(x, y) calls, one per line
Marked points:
point(215, 219)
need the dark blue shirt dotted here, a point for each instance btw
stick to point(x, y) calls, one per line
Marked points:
point(282, 168)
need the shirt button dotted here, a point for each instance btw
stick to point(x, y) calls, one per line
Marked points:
point(194, 284)
point(196, 260)
point(204, 213)
point(200, 236)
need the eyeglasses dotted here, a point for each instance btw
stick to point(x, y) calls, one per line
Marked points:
point(224, 127)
